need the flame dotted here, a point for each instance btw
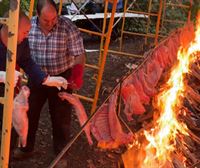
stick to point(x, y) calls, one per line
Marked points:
point(161, 138)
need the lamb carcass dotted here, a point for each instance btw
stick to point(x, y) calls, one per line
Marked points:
point(132, 102)
point(80, 112)
point(19, 116)
point(106, 127)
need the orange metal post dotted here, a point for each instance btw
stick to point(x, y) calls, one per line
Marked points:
point(100, 72)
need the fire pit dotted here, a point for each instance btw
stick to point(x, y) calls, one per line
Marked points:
point(167, 141)
point(168, 81)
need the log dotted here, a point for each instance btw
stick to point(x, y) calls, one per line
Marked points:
point(196, 165)
point(194, 95)
point(195, 74)
point(194, 137)
point(194, 104)
point(176, 162)
point(186, 151)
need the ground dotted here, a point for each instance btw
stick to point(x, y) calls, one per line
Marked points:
point(80, 154)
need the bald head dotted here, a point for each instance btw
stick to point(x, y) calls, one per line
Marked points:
point(24, 26)
point(43, 3)
point(47, 15)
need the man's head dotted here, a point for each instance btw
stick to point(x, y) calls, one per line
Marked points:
point(24, 26)
point(47, 14)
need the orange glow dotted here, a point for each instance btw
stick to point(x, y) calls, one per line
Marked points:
point(160, 140)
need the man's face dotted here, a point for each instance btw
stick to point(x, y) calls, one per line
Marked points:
point(24, 28)
point(48, 18)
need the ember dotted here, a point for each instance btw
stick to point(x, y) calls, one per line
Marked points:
point(155, 146)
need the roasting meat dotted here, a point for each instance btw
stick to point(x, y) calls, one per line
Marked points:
point(132, 102)
point(187, 35)
point(139, 89)
point(116, 130)
point(148, 89)
point(106, 127)
point(153, 72)
point(100, 125)
point(19, 116)
point(80, 112)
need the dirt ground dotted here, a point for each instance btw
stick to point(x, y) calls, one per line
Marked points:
point(80, 154)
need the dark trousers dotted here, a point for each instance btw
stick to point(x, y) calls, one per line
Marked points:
point(60, 112)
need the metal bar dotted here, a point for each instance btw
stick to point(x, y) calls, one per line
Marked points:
point(84, 98)
point(92, 32)
point(158, 23)
point(142, 34)
point(31, 9)
point(92, 66)
point(88, 18)
point(140, 12)
point(139, 34)
point(173, 21)
point(123, 25)
point(163, 15)
point(103, 32)
point(60, 7)
point(189, 12)
point(107, 42)
point(9, 85)
point(122, 15)
point(177, 5)
point(3, 20)
point(86, 2)
point(148, 20)
point(125, 54)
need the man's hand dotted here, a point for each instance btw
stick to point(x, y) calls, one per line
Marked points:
point(56, 81)
point(3, 77)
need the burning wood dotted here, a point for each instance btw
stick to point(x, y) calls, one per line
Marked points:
point(159, 143)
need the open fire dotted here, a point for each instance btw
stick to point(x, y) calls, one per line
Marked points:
point(154, 147)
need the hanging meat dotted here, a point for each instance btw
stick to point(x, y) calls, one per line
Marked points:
point(106, 127)
point(19, 116)
point(80, 112)
point(132, 102)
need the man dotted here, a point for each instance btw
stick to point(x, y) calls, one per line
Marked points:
point(24, 61)
point(57, 47)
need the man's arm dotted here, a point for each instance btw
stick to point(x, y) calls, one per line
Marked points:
point(35, 73)
point(80, 59)
point(76, 78)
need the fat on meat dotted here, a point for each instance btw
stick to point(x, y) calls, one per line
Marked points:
point(148, 89)
point(117, 133)
point(106, 127)
point(161, 54)
point(173, 48)
point(132, 102)
point(19, 116)
point(138, 86)
point(80, 112)
point(100, 125)
point(153, 72)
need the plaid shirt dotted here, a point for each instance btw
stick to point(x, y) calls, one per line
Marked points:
point(55, 52)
